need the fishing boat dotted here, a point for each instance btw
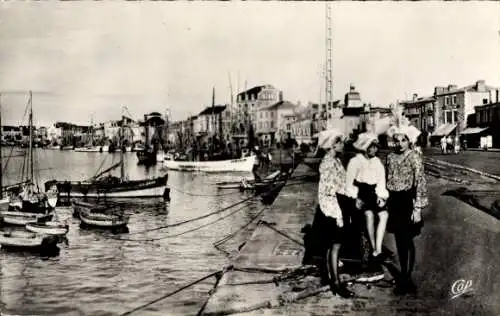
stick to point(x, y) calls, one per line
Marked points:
point(245, 184)
point(27, 240)
point(231, 165)
point(101, 186)
point(30, 199)
point(89, 149)
point(48, 228)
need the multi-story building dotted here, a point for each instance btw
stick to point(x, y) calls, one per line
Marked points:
point(485, 121)
point(209, 121)
point(11, 133)
point(453, 105)
point(421, 112)
point(272, 122)
point(249, 102)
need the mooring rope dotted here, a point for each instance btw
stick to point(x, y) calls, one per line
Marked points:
point(200, 194)
point(184, 232)
point(230, 236)
point(217, 274)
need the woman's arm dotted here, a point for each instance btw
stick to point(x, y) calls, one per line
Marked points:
point(421, 200)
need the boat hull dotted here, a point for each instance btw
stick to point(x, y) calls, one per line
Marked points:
point(22, 218)
point(49, 228)
point(130, 189)
point(103, 220)
point(233, 165)
point(89, 150)
point(27, 240)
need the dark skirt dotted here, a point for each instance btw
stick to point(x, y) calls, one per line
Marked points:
point(366, 193)
point(400, 208)
point(325, 229)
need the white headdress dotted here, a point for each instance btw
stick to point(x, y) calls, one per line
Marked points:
point(326, 139)
point(365, 140)
point(401, 125)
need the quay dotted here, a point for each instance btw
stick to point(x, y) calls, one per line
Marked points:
point(459, 243)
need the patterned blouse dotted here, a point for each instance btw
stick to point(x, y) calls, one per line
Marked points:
point(406, 172)
point(332, 180)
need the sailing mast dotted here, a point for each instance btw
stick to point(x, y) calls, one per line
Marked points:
point(31, 137)
point(122, 148)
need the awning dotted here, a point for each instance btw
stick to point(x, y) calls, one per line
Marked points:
point(444, 130)
point(473, 130)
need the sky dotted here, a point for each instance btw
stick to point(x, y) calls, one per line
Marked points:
point(86, 60)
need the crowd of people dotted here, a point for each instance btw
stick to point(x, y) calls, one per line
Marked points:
point(451, 145)
point(369, 197)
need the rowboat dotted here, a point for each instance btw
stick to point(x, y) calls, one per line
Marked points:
point(103, 220)
point(232, 165)
point(48, 228)
point(23, 218)
point(27, 240)
point(91, 149)
point(245, 184)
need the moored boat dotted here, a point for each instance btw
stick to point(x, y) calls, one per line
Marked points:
point(231, 165)
point(91, 149)
point(22, 218)
point(48, 228)
point(103, 220)
point(27, 240)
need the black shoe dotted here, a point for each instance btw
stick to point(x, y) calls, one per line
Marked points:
point(341, 291)
point(411, 287)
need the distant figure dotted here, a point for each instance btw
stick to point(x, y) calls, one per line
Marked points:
point(443, 145)
point(457, 145)
point(256, 164)
point(449, 144)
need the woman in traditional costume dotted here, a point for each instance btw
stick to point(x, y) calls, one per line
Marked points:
point(407, 197)
point(333, 207)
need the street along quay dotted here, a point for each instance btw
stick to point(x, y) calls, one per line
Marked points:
point(266, 276)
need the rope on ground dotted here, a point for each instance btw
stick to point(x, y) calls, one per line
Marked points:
point(184, 232)
point(217, 274)
point(282, 233)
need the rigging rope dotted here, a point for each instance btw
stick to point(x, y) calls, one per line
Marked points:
point(217, 274)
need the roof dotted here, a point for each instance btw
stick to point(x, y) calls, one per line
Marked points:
point(419, 100)
point(489, 105)
point(253, 90)
point(473, 130)
point(444, 129)
point(469, 88)
point(280, 104)
point(209, 110)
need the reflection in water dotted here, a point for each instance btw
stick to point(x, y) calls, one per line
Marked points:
point(99, 275)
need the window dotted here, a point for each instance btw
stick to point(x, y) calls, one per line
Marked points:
point(260, 114)
point(485, 101)
point(272, 124)
point(446, 100)
point(455, 116)
point(288, 126)
point(453, 99)
point(448, 117)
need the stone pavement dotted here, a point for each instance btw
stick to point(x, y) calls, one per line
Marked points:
point(458, 242)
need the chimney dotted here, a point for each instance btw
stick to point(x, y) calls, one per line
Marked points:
point(415, 96)
point(438, 90)
point(480, 86)
point(452, 87)
point(280, 96)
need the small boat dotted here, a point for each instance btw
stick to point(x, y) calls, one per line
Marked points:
point(48, 228)
point(89, 149)
point(23, 218)
point(27, 240)
point(68, 148)
point(103, 220)
point(231, 165)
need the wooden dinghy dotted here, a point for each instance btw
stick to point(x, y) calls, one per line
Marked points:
point(23, 218)
point(48, 228)
point(245, 184)
point(27, 240)
point(101, 220)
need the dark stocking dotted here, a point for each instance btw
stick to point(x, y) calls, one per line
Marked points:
point(332, 258)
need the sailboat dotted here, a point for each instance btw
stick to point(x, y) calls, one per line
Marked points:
point(89, 147)
point(147, 156)
point(109, 186)
point(243, 164)
point(30, 202)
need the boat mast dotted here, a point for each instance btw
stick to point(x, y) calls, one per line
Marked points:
point(122, 166)
point(31, 137)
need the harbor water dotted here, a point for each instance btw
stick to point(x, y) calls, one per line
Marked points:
point(97, 274)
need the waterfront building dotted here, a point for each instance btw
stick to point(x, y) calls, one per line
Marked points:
point(274, 122)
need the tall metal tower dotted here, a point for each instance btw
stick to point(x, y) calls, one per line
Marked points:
point(328, 50)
